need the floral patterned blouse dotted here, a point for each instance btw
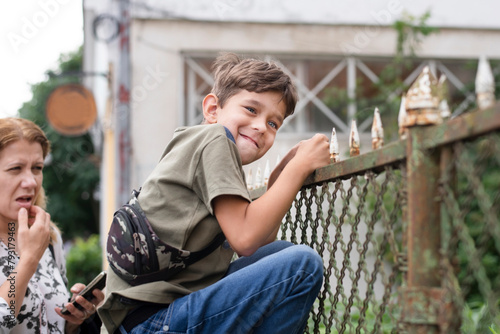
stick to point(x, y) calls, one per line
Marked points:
point(46, 290)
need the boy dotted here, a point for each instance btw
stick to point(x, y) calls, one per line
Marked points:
point(198, 189)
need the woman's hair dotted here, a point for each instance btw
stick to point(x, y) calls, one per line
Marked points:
point(14, 129)
point(233, 74)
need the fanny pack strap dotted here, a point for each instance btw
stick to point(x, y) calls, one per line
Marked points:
point(192, 257)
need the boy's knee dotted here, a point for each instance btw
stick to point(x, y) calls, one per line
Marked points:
point(279, 245)
point(309, 257)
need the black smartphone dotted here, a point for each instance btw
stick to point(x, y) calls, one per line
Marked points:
point(99, 282)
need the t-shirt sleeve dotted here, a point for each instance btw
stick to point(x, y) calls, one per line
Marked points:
point(219, 172)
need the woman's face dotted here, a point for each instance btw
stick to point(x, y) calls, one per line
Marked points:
point(21, 166)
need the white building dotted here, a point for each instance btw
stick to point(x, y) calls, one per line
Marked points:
point(157, 82)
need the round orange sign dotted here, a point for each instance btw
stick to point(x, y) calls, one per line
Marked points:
point(71, 109)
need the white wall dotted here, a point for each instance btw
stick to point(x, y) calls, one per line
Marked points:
point(445, 13)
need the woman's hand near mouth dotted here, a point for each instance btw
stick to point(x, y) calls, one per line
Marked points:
point(30, 244)
point(33, 233)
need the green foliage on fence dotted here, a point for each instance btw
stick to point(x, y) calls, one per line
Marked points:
point(473, 320)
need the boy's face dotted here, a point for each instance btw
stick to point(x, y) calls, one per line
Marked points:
point(252, 118)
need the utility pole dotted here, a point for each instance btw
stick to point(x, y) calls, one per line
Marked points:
point(123, 141)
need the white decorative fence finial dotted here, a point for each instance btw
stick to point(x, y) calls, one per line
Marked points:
point(334, 147)
point(258, 178)
point(377, 131)
point(422, 101)
point(249, 180)
point(267, 173)
point(402, 118)
point(444, 109)
point(354, 140)
point(485, 84)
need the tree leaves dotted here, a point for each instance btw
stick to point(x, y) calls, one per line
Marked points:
point(71, 173)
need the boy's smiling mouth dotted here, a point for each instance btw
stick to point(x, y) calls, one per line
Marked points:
point(250, 139)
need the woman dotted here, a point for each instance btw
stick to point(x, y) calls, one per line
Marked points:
point(32, 273)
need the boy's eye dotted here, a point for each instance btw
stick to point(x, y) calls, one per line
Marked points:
point(252, 110)
point(272, 124)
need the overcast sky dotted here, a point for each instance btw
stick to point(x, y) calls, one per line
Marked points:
point(33, 34)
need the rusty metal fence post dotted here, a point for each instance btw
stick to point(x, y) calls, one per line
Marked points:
point(423, 294)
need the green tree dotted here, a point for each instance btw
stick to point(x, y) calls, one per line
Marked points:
point(71, 174)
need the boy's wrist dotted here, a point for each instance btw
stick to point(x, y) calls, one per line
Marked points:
point(299, 169)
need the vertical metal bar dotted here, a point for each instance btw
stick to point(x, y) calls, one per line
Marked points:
point(351, 88)
point(424, 236)
point(433, 68)
point(108, 169)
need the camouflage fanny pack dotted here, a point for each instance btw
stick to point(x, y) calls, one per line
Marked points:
point(137, 255)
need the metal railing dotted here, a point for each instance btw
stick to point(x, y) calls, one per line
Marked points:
point(409, 233)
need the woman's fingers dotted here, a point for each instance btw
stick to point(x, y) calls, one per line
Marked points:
point(34, 233)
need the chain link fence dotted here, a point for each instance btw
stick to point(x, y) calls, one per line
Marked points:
point(409, 233)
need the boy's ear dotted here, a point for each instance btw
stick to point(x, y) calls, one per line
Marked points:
point(210, 108)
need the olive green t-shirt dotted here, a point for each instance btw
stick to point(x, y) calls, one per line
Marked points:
point(199, 164)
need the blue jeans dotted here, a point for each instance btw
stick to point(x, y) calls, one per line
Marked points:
point(271, 291)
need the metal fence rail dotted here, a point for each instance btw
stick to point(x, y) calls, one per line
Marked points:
point(409, 233)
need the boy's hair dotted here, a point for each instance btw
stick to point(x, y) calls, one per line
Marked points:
point(233, 74)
